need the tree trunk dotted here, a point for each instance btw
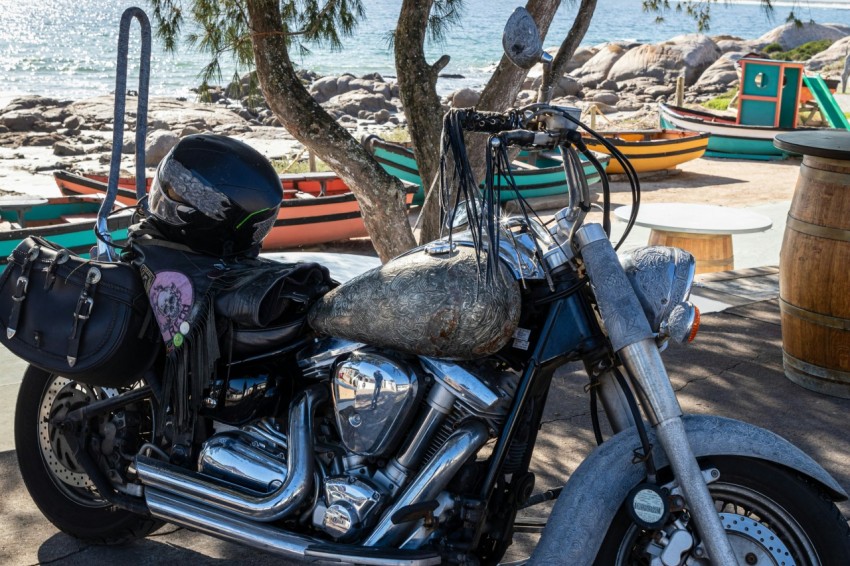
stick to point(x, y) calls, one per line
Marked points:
point(500, 93)
point(573, 39)
point(417, 82)
point(380, 195)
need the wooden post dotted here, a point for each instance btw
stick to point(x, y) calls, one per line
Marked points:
point(311, 159)
point(680, 91)
point(594, 110)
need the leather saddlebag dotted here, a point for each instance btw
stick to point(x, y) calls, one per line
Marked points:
point(83, 319)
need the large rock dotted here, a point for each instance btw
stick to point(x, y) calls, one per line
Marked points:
point(22, 120)
point(580, 57)
point(596, 69)
point(566, 86)
point(98, 112)
point(157, 145)
point(688, 55)
point(463, 98)
point(353, 102)
point(66, 149)
point(324, 89)
point(791, 35)
point(832, 58)
point(722, 72)
point(33, 101)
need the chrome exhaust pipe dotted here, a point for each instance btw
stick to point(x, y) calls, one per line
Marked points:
point(267, 507)
point(223, 525)
point(430, 481)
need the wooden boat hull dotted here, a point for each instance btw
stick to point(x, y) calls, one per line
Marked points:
point(545, 177)
point(68, 221)
point(317, 208)
point(652, 150)
point(728, 139)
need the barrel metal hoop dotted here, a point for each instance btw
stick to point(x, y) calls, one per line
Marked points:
point(814, 317)
point(817, 230)
point(828, 176)
point(816, 378)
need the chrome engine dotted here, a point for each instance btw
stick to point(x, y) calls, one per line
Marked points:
point(405, 428)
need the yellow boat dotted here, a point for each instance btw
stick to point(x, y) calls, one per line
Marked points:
point(652, 150)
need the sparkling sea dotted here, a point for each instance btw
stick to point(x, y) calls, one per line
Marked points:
point(67, 48)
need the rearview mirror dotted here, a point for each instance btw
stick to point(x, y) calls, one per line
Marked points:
point(521, 40)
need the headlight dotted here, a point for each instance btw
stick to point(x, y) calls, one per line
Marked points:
point(662, 277)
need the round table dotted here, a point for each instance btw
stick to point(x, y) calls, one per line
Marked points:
point(701, 229)
point(814, 264)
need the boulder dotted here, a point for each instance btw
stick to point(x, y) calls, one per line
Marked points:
point(791, 35)
point(580, 57)
point(324, 89)
point(464, 98)
point(66, 149)
point(381, 116)
point(604, 96)
point(722, 72)
point(833, 57)
point(33, 101)
point(566, 86)
point(354, 101)
point(157, 145)
point(688, 55)
point(73, 122)
point(596, 69)
point(728, 43)
point(22, 120)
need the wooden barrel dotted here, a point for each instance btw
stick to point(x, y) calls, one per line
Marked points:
point(712, 252)
point(814, 278)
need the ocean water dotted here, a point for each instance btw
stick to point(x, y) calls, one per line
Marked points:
point(67, 48)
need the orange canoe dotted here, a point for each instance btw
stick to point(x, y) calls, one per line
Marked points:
point(651, 150)
point(316, 208)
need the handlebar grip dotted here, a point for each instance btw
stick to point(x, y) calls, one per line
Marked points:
point(473, 120)
point(518, 137)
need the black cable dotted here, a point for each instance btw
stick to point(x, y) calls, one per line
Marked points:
point(594, 412)
point(641, 429)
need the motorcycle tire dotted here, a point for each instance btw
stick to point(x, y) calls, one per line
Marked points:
point(55, 481)
point(789, 513)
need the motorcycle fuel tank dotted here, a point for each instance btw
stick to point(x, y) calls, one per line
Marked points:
point(430, 304)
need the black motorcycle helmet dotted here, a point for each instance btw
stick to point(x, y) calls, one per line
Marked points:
point(216, 195)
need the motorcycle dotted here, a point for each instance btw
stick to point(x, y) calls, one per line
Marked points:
point(399, 426)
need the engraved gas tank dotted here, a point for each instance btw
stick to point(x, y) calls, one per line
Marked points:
point(431, 305)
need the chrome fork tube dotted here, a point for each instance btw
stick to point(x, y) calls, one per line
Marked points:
point(632, 338)
point(643, 361)
point(614, 402)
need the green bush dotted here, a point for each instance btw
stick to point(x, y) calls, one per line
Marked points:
point(301, 166)
point(721, 102)
point(803, 52)
point(772, 48)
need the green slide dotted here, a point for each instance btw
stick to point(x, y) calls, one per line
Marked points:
point(828, 107)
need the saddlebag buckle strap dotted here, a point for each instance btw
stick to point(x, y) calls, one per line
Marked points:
point(62, 256)
point(21, 291)
point(82, 313)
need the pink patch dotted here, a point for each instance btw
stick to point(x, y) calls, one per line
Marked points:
point(171, 297)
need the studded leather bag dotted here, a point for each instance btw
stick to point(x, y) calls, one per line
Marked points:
point(80, 318)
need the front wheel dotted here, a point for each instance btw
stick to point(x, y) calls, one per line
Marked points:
point(56, 482)
point(772, 517)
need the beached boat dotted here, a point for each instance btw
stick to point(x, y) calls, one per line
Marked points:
point(728, 138)
point(539, 174)
point(652, 150)
point(316, 208)
point(68, 221)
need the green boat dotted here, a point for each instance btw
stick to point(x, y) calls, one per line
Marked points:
point(537, 174)
point(66, 221)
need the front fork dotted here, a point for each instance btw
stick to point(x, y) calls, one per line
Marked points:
point(633, 340)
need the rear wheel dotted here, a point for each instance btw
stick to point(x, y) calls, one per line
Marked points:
point(771, 515)
point(56, 482)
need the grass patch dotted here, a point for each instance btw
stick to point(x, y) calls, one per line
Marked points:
point(802, 53)
point(397, 135)
point(302, 165)
point(721, 102)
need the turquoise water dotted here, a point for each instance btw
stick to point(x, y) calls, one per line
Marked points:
point(67, 48)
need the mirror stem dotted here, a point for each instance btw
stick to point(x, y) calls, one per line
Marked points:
point(545, 92)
